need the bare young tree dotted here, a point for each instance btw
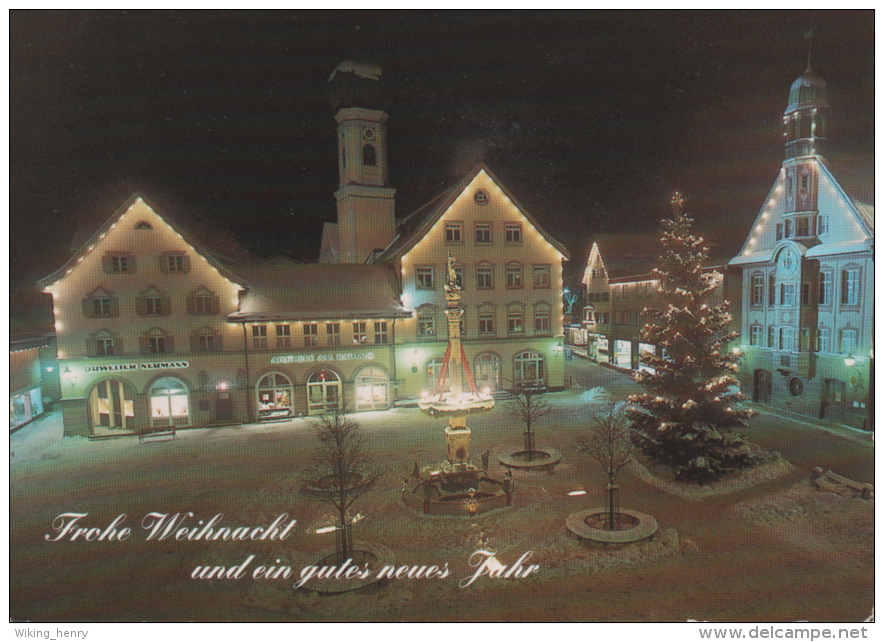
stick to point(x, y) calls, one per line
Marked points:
point(528, 407)
point(340, 471)
point(608, 440)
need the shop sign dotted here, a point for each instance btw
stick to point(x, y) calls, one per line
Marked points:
point(323, 358)
point(117, 367)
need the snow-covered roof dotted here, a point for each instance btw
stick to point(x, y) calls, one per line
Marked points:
point(280, 289)
point(416, 225)
point(828, 249)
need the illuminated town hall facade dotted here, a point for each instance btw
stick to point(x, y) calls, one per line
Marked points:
point(154, 333)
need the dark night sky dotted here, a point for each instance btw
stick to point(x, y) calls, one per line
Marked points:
point(590, 118)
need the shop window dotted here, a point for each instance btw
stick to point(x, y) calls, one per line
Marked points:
point(275, 395)
point(283, 336)
point(453, 232)
point(100, 304)
point(359, 332)
point(513, 233)
point(169, 403)
point(323, 392)
point(203, 302)
point(484, 279)
point(175, 262)
point(483, 234)
point(332, 334)
point(372, 389)
point(424, 278)
point(259, 337)
point(514, 320)
point(380, 333)
point(513, 275)
point(311, 335)
point(486, 370)
point(529, 368)
point(111, 406)
point(541, 319)
point(118, 263)
point(541, 276)
point(426, 321)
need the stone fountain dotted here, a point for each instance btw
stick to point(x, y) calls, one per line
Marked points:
point(458, 486)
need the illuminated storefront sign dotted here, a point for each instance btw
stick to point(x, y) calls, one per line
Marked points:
point(117, 367)
point(324, 358)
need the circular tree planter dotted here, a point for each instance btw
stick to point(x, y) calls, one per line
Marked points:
point(541, 459)
point(633, 526)
point(374, 555)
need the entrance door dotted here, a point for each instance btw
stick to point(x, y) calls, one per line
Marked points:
point(487, 371)
point(833, 401)
point(762, 386)
point(323, 392)
point(223, 403)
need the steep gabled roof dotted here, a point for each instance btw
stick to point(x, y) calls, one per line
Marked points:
point(628, 254)
point(282, 290)
point(102, 230)
point(416, 225)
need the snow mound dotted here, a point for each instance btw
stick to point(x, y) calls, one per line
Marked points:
point(595, 395)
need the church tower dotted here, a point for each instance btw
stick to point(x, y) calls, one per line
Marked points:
point(365, 200)
point(806, 121)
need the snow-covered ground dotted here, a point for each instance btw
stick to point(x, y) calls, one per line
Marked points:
point(714, 559)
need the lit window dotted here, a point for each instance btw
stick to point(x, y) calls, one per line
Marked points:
point(359, 332)
point(513, 233)
point(483, 233)
point(529, 368)
point(514, 275)
point(541, 276)
point(380, 332)
point(259, 337)
point(283, 336)
point(311, 337)
point(333, 334)
point(453, 233)
point(424, 278)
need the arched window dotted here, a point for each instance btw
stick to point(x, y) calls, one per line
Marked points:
point(112, 406)
point(372, 389)
point(323, 392)
point(369, 155)
point(275, 396)
point(169, 403)
point(529, 368)
point(486, 370)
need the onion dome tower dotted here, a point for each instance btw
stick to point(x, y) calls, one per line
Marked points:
point(807, 116)
point(365, 200)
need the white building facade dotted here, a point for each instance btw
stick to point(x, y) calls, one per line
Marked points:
point(808, 276)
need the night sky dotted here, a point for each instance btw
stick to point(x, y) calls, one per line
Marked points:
point(590, 118)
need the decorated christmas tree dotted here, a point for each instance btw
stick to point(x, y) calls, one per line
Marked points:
point(687, 418)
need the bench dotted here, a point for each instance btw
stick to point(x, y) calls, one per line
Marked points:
point(156, 431)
